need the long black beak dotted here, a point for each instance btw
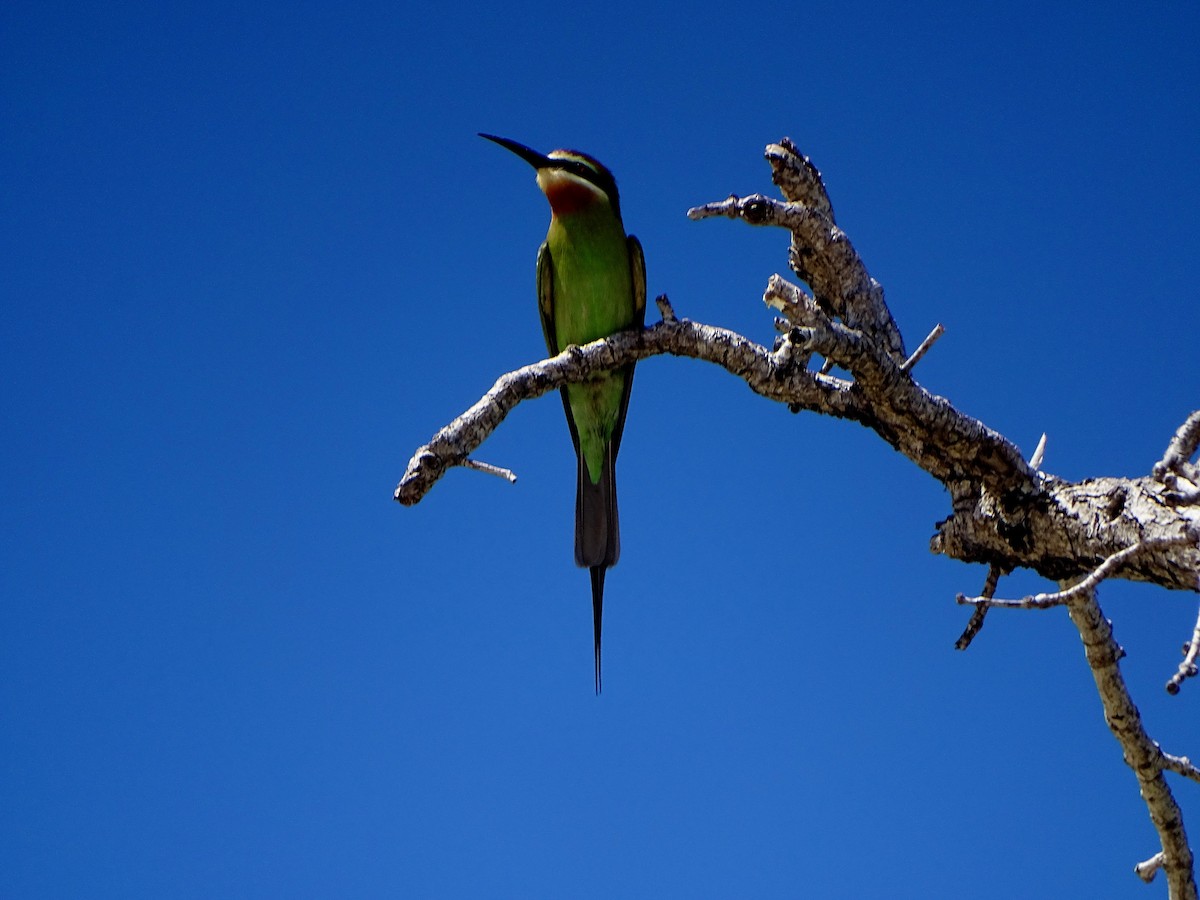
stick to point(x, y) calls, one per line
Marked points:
point(531, 156)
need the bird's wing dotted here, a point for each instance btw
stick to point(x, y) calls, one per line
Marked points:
point(545, 295)
point(637, 276)
point(637, 271)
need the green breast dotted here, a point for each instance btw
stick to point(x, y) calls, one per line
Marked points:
point(593, 298)
point(592, 293)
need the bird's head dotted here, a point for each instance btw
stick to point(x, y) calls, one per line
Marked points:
point(570, 179)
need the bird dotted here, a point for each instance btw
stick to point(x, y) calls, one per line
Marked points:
point(591, 283)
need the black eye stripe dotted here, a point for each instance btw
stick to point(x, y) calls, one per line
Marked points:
point(583, 170)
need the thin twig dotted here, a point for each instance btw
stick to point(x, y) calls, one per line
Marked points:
point(1039, 453)
point(1181, 765)
point(507, 474)
point(1060, 598)
point(975, 623)
point(1187, 668)
point(929, 341)
point(664, 308)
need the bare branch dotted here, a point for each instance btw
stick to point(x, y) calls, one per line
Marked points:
point(757, 209)
point(1065, 530)
point(1039, 453)
point(1142, 754)
point(839, 280)
point(824, 258)
point(772, 375)
point(999, 503)
point(1174, 470)
point(1187, 668)
point(929, 341)
point(489, 469)
point(664, 308)
point(975, 623)
point(924, 427)
point(1006, 513)
point(796, 305)
point(797, 177)
point(1183, 445)
point(1105, 570)
point(1180, 765)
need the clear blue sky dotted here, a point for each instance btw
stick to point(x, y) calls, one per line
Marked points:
point(254, 255)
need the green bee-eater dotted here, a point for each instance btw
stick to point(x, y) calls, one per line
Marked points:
point(591, 283)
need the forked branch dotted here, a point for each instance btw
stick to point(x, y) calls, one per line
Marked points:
point(1005, 512)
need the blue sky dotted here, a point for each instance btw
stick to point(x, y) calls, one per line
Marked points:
point(254, 256)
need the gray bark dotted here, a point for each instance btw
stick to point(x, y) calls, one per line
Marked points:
point(1004, 512)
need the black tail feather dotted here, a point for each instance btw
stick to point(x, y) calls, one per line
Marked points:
point(597, 614)
point(597, 533)
point(597, 528)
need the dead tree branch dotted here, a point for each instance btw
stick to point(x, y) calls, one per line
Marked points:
point(1188, 668)
point(1006, 513)
point(1142, 754)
